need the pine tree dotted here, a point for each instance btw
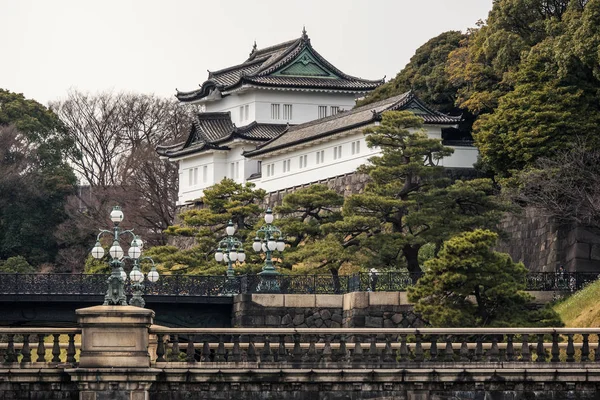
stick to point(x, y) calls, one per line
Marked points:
point(410, 202)
point(469, 284)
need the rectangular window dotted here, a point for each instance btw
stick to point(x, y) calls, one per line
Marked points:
point(303, 161)
point(320, 157)
point(322, 111)
point(274, 111)
point(287, 112)
point(246, 112)
point(190, 177)
point(337, 152)
point(237, 169)
point(270, 169)
point(195, 176)
point(287, 165)
point(231, 170)
point(204, 173)
point(335, 110)
point(356, 147)
point(241, 113)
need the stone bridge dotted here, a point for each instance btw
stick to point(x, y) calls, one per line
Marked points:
point(117, 353)
point(218, 302)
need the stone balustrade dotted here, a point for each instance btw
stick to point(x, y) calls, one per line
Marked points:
point(27, 347)
point(360, 347)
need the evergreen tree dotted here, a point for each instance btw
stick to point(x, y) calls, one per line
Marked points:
point(410, 202)
point(222, 202)
point(304, 213)
point(469, 284)
point(35, 180)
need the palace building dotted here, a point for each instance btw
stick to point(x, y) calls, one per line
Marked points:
point(285, 117)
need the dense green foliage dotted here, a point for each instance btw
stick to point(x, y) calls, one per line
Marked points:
point(17, 264)
point(425, 74)
point(304, 214)
point(531, 73)
point(469, 284)
point(222, 202)
point(410, 202)
point(34, 178)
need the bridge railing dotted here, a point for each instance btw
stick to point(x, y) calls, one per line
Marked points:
point(312, 348)
point(201, 285)
point(28, 347)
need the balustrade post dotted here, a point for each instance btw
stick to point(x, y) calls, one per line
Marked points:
point(174, 348)
point(71, 349)
point(585, 348)
point(25, 351)
point(465, 354)
point(479, 348)
point(555, 350)
point(220, 356)
point(388, 353)
point(41, 348)
point(357, 354)
point(236, 354)
point(190, 353)
point(251, 352)
point(570, 348)
point(11, 356)
point(510, 350)
point(266, 355)
point(326, 355)
point(403, 349)
point(56, 348)
point(419, 355)
point(342, 355)
point(281, 352)
point(494, 351)
point(525, 354)
point(205, 355)
point(373, 353)
point(311, 354)
point(449, 351)
point(540, 351)
point(433, 350)
point(160, 348)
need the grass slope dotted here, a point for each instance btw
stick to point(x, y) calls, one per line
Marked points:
point(582, 309)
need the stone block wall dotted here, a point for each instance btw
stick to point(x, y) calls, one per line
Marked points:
point(379, 310)
point(287, 311)
point(351, 310)
point(543, 245)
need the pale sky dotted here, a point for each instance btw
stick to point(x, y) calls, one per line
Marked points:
point(152, 46)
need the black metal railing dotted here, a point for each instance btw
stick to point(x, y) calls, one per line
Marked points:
point(203, 286)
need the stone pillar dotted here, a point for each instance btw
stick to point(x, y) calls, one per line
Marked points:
point(114, 362)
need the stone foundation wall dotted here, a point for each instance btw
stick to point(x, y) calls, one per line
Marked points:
point(544, 245)
point(351, 310)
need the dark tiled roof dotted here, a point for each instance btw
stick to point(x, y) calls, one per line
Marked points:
point(355, 118)
point(212, 131)
point(257, 70)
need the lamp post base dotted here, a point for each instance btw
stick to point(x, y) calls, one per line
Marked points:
point(269, 283)
point(115, 295)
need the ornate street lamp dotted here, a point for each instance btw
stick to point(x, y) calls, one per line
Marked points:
point(115, 294)
point(268, 239)
point(230, 250)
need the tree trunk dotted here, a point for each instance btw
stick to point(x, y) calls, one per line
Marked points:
point(411, 254)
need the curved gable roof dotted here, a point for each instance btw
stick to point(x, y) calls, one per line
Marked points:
point(266, 68)
point(355, 118)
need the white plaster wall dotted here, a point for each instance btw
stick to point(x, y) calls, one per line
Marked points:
point(304, 104)
point(232, 103)
point(462, 157)
point(189, 192)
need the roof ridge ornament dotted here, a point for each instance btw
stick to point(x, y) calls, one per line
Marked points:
point(253, 52)
point(304, 35)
